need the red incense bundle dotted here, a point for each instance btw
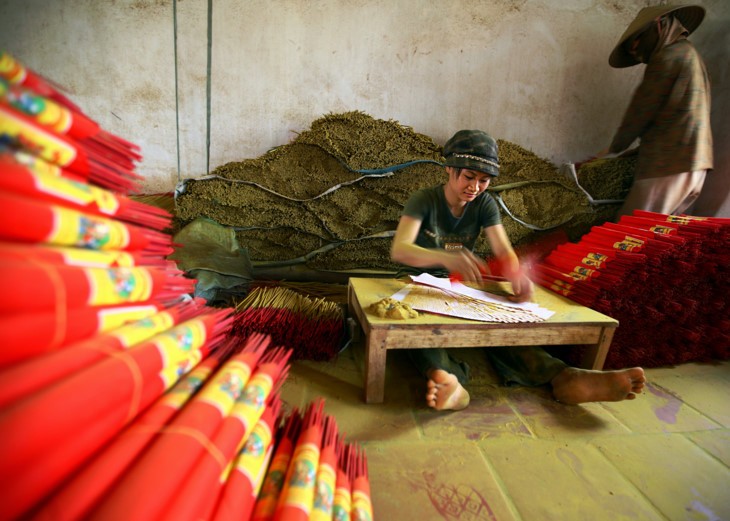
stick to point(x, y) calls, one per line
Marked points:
point(43, 287)
point(150, 485)
point(78, 125)
point(585, 250)
point(130, 381)
point(362, 508)
point(326, 482)
point(591, 260)
point(567, 265)
point(18, 74)
point(243, 484)
point(342, 507)
point(274, 479)
point(314, 328)
point(28, 220)
point(23, 378)
point(23, 132)
point(649, 224)
point(64, 120)
point(297, 495)
point(197, 495)
point(80, 257)
point(76, 498)
point(36, 164)
point(28, 334)
point(50, 188)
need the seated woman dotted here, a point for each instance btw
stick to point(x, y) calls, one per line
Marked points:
point(437, 233)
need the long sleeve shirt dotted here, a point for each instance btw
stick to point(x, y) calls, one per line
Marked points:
point(670, 114)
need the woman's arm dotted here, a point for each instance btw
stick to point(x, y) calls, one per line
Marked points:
point(510, 264)
point(406, 251)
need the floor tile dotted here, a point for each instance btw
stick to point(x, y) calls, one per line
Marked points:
point(658, 410)
point(550, 419)
point(489, 415)
point(564, 480)
point(517, 454)
point(678, 477)
point(696, 385)
point(716, 443)
point(434, 481)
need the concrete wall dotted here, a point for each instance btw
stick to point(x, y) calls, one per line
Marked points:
point(198, 83)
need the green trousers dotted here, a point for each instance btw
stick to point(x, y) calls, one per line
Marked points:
point(516, 365)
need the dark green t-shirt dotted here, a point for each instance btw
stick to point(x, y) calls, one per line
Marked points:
point(440, 229)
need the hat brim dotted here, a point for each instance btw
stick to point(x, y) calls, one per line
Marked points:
point(691, 17)
point(472, 164)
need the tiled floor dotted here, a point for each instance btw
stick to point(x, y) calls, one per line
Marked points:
point(515, 454)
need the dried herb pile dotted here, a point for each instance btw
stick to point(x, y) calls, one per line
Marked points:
point(309, 203)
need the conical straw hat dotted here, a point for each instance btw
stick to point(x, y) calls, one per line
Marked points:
point(691, 17)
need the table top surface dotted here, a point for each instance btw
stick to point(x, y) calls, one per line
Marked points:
point(370, 290)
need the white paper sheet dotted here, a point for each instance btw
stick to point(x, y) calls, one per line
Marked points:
point(456, 288)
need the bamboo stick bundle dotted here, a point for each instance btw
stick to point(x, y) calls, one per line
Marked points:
point(45, 368)
point(149, 486)
point(245, 480)
point(331, 292)
point(54, 417)
point(312, 328)
point(78, 495)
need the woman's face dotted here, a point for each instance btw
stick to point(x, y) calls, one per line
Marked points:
point(468, 184)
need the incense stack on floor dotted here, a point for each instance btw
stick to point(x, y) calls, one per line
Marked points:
point(312, 328)
point(664, 278)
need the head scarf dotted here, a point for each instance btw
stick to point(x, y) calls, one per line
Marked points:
point(667, 30)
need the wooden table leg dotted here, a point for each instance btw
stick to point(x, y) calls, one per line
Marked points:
point(375, 354)
point(594, 355)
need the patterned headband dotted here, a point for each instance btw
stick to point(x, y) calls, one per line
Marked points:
point(477, 158)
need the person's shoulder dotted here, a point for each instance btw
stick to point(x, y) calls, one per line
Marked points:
point(426, 193)
point(422, 198)
point(678, 52)
point(486, 199)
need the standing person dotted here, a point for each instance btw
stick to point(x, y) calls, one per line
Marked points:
point(437, 233)
point(669, 112)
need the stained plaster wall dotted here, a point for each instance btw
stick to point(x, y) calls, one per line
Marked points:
point(198, 83)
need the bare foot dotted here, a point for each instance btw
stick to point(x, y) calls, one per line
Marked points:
point(444, 392)
point(573, 385)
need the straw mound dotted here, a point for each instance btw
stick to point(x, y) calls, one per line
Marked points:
point(305, 203)
point(608, 178)
point(364, 143)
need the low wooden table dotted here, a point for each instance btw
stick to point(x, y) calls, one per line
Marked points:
point(570, 325)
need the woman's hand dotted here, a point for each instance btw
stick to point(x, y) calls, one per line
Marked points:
point(522, 288)
point(469, 267)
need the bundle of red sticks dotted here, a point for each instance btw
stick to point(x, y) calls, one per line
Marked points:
point(120, 396)
point(313, 328)
point(664, 278)
point(313, 475)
